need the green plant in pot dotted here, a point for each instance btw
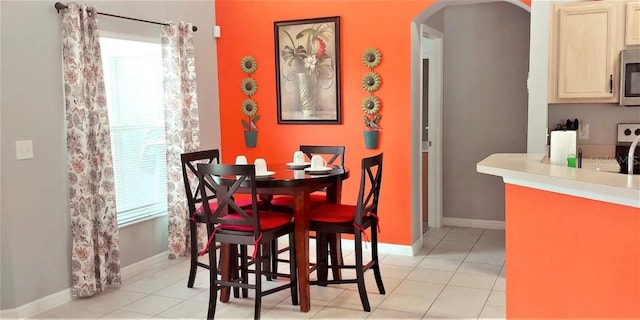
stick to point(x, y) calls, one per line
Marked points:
point(249, 106)
point(250, 109)
point(371, 119)
point(371, 82)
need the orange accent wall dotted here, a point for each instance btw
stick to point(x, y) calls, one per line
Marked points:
point(247, 29)
point(570, 257)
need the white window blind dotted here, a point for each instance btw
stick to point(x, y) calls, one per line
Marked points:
point(133, 84)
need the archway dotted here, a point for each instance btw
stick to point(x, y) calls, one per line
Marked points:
point(435, 130)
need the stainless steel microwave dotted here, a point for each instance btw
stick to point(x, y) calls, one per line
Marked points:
point(630, 78)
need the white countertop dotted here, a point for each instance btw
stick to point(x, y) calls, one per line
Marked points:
point(591, 182)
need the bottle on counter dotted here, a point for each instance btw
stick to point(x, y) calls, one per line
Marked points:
point(571, 159)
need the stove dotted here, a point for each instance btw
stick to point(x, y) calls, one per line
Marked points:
point(627, 132)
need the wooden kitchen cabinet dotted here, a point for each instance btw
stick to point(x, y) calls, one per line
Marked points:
point(586, 39)
point(632, 32)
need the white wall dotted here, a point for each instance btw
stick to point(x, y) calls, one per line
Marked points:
point(35, 238)
point(538, 76)
point(416, 131)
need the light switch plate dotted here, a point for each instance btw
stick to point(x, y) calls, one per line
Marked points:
point(24, 149)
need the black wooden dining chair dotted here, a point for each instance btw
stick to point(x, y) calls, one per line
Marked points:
point(196, 214)
point(334, 155)
point(353, 219)
point(240, 226)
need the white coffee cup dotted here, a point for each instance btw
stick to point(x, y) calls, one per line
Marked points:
point(298, 174)
point(261, 166)
point(241, 159)
point(318, 163)
point(298, 157)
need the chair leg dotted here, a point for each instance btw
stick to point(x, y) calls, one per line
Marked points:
point(360, 272)
point(235, 269)
point(322, 262)
point(274, 259)
point(293, 275)
point(266, 264)
point(258, 286)
point(233, 265)
point(193, 228)
point(335, 249)
point(244, 269)
point(374, 257)
point(213, 284)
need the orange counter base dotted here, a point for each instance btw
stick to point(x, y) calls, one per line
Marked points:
point(570, 257)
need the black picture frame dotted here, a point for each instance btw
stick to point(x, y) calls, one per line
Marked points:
point(307, 54)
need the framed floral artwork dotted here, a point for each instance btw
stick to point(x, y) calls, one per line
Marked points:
point(308, 71)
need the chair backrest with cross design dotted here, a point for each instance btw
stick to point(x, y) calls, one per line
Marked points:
point(226, 181)
point(336, 154)
point(369, 190)
point(192, 188)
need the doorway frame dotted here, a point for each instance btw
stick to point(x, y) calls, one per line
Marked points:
point(435, 39)
point(416, 123)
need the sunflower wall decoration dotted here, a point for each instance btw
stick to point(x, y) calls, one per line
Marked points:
point(249, 86)
point(371, 82)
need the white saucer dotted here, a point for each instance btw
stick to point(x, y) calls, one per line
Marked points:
point(266, 174)
point(318, 171)
point(298, 165)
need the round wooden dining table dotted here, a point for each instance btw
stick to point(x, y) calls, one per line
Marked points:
point(300, 183)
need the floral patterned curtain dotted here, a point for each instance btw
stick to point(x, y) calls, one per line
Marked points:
point(182, 128)
point(94, 229)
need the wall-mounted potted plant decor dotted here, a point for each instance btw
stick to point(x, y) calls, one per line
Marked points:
point(371, 104)
point(249, 106)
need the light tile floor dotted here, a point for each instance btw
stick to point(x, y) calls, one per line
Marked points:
point(458, 274)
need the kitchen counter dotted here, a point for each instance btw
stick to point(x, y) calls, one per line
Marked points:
point(594, 181)
point(572, 238)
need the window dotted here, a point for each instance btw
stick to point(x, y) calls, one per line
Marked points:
point(133, 84)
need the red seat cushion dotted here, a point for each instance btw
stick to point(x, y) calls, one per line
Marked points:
point(334, 213)
point(268, 220)
point(287, 201)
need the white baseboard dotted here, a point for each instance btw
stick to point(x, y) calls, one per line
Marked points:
point(53, 300)
point(141, 265)
point(38, 306)
point(385, 248)
point(417, 246)
point(474, 223)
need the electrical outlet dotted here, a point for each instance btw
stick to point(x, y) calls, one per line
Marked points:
point(583, 131)
point(24, 149)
